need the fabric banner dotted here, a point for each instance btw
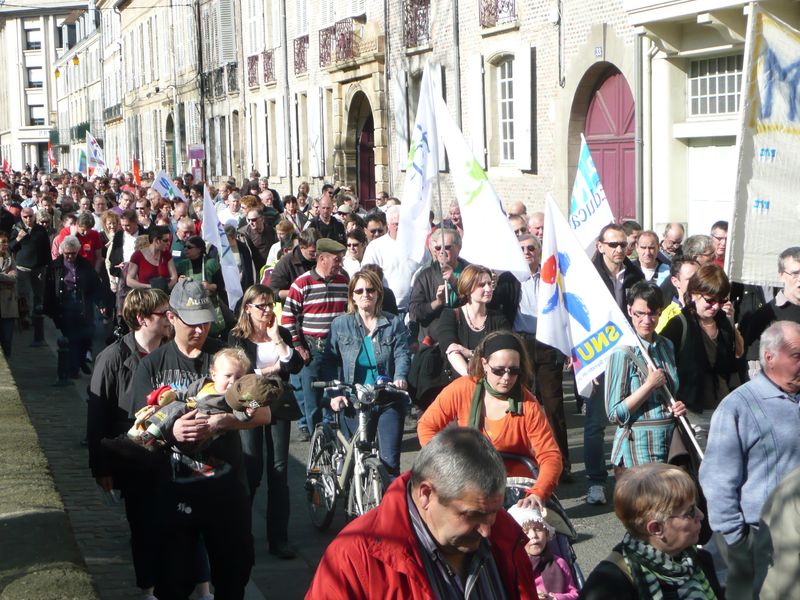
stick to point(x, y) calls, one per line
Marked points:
point(51, 160)
point(589, 210)
point(94, 153)
point(422, 169)
point(214, 233)
point(577, 313)
point(137, 177)
point(117, 172)
point(164, 186)
point(766, 210)
point(488, 237)
point(82, 162)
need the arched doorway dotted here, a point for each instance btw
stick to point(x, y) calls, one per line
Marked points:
point(169, 145)
point(360, 149)
point(609, 131)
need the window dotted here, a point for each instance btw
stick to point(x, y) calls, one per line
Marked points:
point(35, 77)
point(505, 100)
point(36, 114)
point(714, 85)
point(33, 39)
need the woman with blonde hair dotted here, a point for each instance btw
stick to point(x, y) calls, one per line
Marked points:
point(368, 345)
point(658, 557)
point(462, 328)
point(269, 348)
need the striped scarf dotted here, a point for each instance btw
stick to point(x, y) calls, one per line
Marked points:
point(651, 569)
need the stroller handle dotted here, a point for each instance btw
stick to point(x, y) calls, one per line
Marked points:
point(525, 460)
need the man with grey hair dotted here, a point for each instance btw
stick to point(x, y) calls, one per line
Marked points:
point(753, 444)
point(439, 530)
point(672, 240)
point(387, 253)
point(699, 248)
point(517, 208)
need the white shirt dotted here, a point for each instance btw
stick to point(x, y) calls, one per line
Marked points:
point(128, 245)
point(397, 267)
point(351, 265)
point(226, 217)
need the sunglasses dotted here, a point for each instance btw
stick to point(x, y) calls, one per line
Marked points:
point(448, 247)
point(253, 220)
point(714, 301)
point(500, 371)
point(530, 249)
point(355, 245)
point(615, 245)
point(262, 307)
point(141, 208)
point(376, 231)
point(369, 291)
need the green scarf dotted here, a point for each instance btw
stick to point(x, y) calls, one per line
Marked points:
point(476, 407)
point(650, 568)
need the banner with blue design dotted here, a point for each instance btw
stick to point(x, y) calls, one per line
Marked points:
point(577, 313)
point(766, 208)
point(589, 210)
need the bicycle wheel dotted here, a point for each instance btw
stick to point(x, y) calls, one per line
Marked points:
point(372, 483)
point(321, 478)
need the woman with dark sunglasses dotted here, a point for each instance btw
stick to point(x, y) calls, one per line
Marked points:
point(367, 345)
point(494, 397)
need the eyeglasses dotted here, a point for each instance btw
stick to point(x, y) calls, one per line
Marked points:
point(793, 274)
point(720, 238)
point(448, 247)
point(253, 220)
point(615, 245)
point(354, 245)
point(262, 307)
point(520, 231)
point(500, 371)
point(141, 208)
point(644, 314)
point(691, 514)
point(368, 291)
point(530, 249)
point(714, 301)
point(376, 231)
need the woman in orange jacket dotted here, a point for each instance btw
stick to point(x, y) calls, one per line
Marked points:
point(494, 398)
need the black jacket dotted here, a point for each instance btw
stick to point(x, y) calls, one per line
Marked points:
point(32, 251)
point(87, 286)
point(111, 378)
point(333, 230)
point(423, 292)
point(289, 268)
point(116, 257)
point(633, 274)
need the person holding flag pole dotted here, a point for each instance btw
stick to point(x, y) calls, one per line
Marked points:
point(584, 324)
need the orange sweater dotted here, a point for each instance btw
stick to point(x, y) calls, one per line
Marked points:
point(528, 434)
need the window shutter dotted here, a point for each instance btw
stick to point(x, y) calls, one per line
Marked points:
point(301, 18)
point(327, 13)
point(357, 7)
point(226, 34)
point(278, 129)
point(524, 107)
point(276, 24)
point(475, 116)
point(314, 128)
point(399, 93)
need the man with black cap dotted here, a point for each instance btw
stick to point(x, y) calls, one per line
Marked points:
point(314, 299)
point(197, 489)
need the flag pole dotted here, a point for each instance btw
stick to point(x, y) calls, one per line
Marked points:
point(682, 420)
point(441, 207)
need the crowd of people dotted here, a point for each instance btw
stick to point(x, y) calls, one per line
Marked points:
point(329, 293)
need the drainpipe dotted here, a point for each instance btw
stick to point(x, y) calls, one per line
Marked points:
point(386, 76)
point(202, 90)
point(639, 128)
point(287, 136)
point(457, 59)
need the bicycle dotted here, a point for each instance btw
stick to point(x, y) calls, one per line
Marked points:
point(341, 467)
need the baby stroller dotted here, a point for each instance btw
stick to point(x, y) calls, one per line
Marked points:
point(565, 536)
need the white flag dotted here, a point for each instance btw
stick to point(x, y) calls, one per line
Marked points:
point(488, 237)
point(94, 155)
point(589, 210)
point(577, 313)
point(214, 233)
point(421, 171)
point(164, 186)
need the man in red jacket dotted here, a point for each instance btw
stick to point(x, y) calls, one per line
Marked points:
point(440, 532)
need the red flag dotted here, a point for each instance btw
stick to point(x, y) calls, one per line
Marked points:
point(137, 178)
point(50, 158)
point(6, 166)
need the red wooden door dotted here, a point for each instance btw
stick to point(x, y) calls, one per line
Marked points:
point(366, 161)
point(609, 133)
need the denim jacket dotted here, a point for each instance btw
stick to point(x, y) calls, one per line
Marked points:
point(389, 340)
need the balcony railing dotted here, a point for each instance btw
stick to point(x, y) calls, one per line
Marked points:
point(219, 82)
point(232, 71)
point(64, 136)
point(495, 12)
point(78, 132)
point(326, 38)
point(301, 55)
point(269, 65)
point(252, 71)
point(346, 43)
point(112, 112)
point(417, 23)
